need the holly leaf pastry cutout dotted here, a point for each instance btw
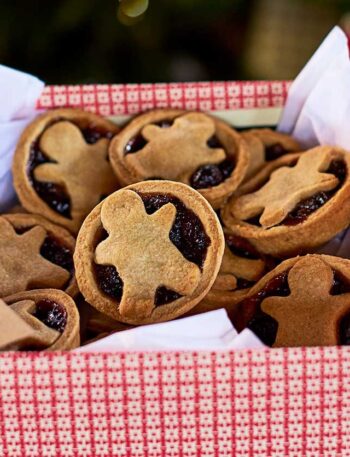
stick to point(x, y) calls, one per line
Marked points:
point(310, 315)
point(21, 265)
point(42, 335)
point(176, 152)
point(140, 249)
point(81, 168)
point(286, 187)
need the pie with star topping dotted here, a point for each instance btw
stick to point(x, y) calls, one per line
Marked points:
point(61, 168)
point(189, 147)
point(34, 253)
point(149, 252)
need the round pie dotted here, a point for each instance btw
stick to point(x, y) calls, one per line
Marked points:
point(241, 267)
point(61, 168)
point(51, 317)
point(294, 208)
point(35, 253)
point(190, 147)
point(266, 145)
point(149, 252)
point(304, 301)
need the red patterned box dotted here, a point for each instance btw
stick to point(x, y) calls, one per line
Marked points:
point(280, 403)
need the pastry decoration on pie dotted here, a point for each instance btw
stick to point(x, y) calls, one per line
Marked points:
point(305, 301)
point(61, 168)
point(265, 146)
point(149, 252)
point(35, 254)
point(300, 205)
point(242, 266)
point(47, 318)
point(190, 147)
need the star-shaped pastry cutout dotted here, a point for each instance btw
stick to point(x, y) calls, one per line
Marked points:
point(21, 265)
point(81, 168)
point(140, 248)
point(176, 152)
point(287, 187)
point(310, 315)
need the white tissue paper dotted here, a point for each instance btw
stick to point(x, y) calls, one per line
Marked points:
point(207, 331)
point(317, 112)
point(19, 93)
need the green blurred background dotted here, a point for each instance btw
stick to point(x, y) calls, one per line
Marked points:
point(84, 41)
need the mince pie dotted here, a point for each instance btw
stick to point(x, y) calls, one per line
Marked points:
point(191, 147)
point(149, 252)
point(297, 207)
point(305, 301)
point(266, 145)
point(51, 318)
point(242, 266)
point(61, 168)
point(35, 254)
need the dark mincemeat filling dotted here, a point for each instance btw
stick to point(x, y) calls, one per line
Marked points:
point(187, 234)
point(52, 314)
point(308, 206)
point(54, 194)
point(205, 176)
point(275, 151)
point(249, 313)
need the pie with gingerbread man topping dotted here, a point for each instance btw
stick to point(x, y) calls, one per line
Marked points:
point(149, 252)
point(302, 203)
point(189, 147)
point(305, 301)
point(61, 168)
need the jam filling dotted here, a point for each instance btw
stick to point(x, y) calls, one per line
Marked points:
point(164, 296)
point(250, 315)
point(52, 314)
point(275, 151)
point(55, 195)
point(109, 280)
point(241, 247)
point(187, 232)
point(311, 204)
point(265, 327)
point(212, 174)
point(55, 252)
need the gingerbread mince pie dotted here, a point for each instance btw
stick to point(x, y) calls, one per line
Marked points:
point(297, 207)
point(266, 145)
point(149, 252)
point(61, 168)
point(35, 253)
point(190, 147)
point(305, 301)
point(48, 319)
point(242, 266)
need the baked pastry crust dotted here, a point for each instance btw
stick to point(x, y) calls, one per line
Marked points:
point(265, 146)
point(274, 198)
point(307, 297)
point(177, 152)
point(139, 247)
point(76, 166)
point(241, 267)
point(35, 252)
point(63, 328)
